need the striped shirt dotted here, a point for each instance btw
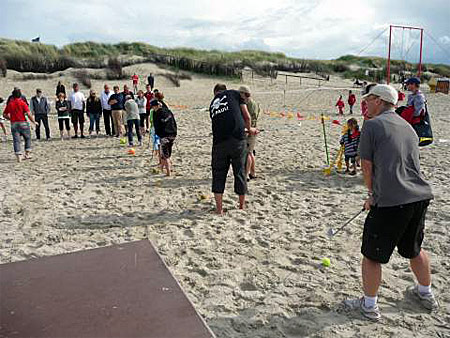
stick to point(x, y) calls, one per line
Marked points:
point(350, 142)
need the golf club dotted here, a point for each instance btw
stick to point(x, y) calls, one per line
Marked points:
point(332, 232)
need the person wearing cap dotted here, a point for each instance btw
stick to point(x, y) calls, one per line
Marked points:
point(230, 117)
point(166, 129)
point(398, 197)
point(40, 108)
point(253, 110)
point(415, 107)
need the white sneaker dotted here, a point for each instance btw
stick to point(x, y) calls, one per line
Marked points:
point(372, 313)
point(427, 300)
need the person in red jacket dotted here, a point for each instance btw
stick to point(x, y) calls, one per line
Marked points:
point(135, 79)
point(340, 104)
point(15, 112)
point(149, 96)
point(351, 100)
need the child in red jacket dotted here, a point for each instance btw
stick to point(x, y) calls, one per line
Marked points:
point(351, 100)
point(340, 104)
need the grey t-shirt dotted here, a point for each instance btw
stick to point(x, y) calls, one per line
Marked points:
point(132, 110)
point(391, 144)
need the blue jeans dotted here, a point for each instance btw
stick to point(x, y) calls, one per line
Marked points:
point(155, 139)
point(21, 129)
point(94, 119)
point(130, 124)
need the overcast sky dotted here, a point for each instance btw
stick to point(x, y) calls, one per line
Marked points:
point(318, 29)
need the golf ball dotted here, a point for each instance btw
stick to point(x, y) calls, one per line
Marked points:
point(326, 262)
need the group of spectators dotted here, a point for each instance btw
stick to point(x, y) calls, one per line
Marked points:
point(123, 112)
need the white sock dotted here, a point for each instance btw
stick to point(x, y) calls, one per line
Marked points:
point(370, 301)
point(424, 289)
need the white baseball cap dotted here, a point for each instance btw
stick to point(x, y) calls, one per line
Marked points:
point(385, 92)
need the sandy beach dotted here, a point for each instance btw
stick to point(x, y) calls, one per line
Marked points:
point(252, 273)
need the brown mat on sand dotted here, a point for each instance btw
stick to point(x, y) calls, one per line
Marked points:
point(119, 291)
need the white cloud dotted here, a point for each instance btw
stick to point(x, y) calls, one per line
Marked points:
point(300, 28)
point(445, 40)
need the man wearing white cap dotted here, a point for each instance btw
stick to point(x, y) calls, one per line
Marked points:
point(398, 197)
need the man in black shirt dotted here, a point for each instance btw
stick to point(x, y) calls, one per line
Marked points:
point(230, 118)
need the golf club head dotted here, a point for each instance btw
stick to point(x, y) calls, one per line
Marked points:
point(331, 232)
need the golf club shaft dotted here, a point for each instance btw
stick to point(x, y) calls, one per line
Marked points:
point(348, 222)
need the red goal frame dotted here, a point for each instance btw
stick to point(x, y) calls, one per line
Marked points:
point(388, 67)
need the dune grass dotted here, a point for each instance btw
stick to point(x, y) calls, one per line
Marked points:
point(42, 58)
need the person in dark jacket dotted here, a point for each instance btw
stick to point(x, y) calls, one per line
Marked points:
point(151, 81)
point(60, 89)
point(40, 108)
point(117, 102)
point(94, 111)
point(166, 129)
point(63, 110)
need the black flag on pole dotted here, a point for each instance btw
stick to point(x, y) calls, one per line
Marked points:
point(36, 39)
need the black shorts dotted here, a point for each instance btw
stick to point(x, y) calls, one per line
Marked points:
point(77, 116)
point(400, 226)
point(234, 152)
point(142, 118)
point(166, 147)
point(61, 123)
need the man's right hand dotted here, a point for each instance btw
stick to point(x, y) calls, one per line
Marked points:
point(368, 203)
point(253, 131)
